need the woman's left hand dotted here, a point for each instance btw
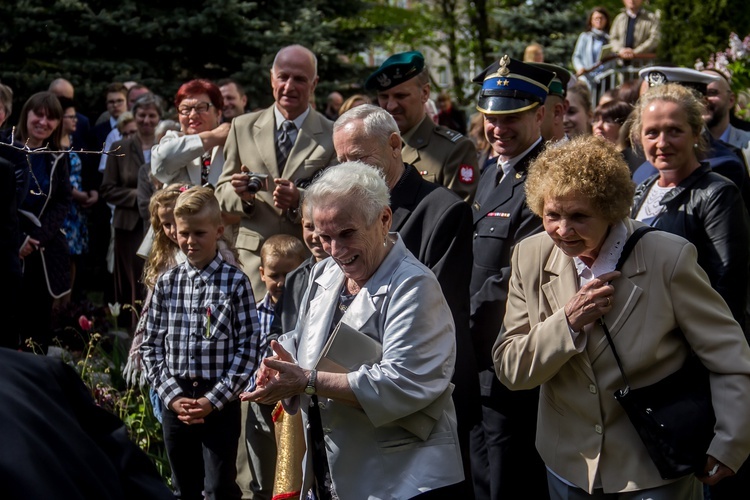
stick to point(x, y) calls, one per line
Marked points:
point(278, 378)
point(714, 471)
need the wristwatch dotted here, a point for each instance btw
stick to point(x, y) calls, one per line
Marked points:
point(310, 388)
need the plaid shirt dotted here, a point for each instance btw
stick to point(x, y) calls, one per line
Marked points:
point(265, 317)
point(202, 325)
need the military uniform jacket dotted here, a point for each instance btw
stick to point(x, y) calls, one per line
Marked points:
point(443, 156)
point(435, 225)
point(501, 219)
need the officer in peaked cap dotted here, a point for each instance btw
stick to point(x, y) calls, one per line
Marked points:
point(503, 448)
point(440, 154)
point(556, 104)
point(687, 77)
point(723, 158)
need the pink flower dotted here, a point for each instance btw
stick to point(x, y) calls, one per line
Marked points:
point(85, 323)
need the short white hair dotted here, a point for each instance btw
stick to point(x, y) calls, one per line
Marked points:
point(354, 181)
point(377, 123)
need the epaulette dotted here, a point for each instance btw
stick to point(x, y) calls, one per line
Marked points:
point(449, 134)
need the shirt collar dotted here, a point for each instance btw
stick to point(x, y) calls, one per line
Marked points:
point(608, 255)
point(212, 266)
point(406, 136)
point(632, 14)
point(297, 121)
point(508, 165)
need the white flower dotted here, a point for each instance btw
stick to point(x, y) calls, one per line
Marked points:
point(114, 309)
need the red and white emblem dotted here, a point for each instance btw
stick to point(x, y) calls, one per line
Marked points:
point(466, 174)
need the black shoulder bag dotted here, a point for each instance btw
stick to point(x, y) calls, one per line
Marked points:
point(674, 417)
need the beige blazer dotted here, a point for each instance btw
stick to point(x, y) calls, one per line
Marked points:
point(251, 142)
point(582, 430)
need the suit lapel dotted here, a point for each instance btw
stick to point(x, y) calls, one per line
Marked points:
point(320, 315)
point(307, 140)
point(625, 299)
point(404, 197)
point(489, 196)
point(264, 134)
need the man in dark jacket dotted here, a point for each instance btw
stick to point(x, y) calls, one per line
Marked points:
point(58, 444)
point(503, 446)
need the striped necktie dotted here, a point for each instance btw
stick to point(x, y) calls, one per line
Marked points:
point(284, 143)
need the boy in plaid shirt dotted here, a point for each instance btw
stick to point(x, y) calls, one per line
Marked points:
point(200, 347)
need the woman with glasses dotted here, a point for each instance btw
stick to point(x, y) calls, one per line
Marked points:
point(44, 251)
point(195, 154)
point(120, 189)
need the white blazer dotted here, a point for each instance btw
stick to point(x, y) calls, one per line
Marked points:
point(401, 306)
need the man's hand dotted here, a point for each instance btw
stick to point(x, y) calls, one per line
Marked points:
point(240, 182)
point(626, 53)
point(286, 194)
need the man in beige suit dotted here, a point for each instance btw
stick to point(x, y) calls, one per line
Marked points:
point(251, 148)
point(288, 143)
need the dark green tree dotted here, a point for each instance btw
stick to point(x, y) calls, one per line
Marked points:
point(555, 24)
point(165, 43)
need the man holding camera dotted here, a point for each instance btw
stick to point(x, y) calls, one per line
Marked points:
point(270, 155)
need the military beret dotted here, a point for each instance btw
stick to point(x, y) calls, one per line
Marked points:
point(559, 85)
point(396, 70)
point(692, 78)
point(511, 86)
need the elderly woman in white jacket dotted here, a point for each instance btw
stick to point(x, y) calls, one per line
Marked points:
point(385, 428)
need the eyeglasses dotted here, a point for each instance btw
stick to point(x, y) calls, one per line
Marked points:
point(115, 101)
point(70, 117)
point(128, 134)
point(200, 108)
point(713, 93)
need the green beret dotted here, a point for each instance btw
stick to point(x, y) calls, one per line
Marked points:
point(559, 84)
point(396, 70)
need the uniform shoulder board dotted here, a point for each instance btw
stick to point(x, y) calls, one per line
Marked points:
point(449, 134)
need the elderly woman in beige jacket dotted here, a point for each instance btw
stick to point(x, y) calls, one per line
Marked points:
point(658, 308)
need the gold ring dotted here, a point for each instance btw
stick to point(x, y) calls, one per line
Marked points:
point(609, 301)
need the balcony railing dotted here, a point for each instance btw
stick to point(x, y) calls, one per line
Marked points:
point(612, 71)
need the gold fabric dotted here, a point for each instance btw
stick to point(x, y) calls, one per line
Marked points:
point(290, 442)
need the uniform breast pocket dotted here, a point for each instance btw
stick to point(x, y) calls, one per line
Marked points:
point(217, 321)
point(491, 241)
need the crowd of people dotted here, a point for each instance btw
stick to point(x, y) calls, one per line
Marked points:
point(361, 301)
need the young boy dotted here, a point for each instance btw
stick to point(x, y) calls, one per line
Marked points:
point(279, 255)
point(200, 347)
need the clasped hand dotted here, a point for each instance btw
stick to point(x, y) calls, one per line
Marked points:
point(191, 410)
point(278, 377)
point(592, 301)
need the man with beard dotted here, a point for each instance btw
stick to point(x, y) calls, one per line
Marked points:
point(720, 101)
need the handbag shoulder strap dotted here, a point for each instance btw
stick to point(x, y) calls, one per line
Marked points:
point(630, 244)
point(626, 250)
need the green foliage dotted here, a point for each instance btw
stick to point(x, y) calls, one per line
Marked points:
point(693, 29)
point(555, 24)
point(100, 365)
point(165, 43)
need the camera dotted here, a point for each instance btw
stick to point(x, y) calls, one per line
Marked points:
point(257, 182)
